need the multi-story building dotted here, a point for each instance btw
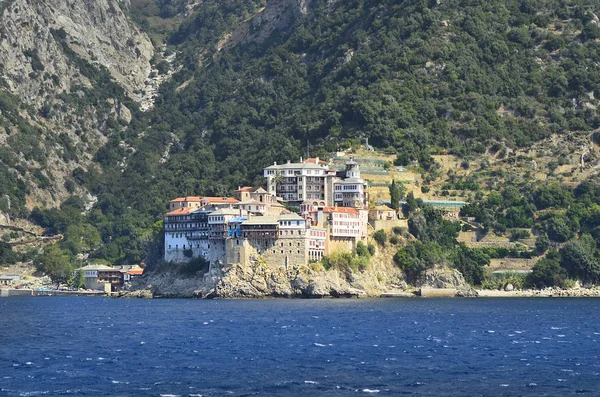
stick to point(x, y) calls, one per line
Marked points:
point(351, 191)
point(185, 202)
point(312, 181)
point(280, 241)
point(218, 232)
point(186, 233)
point(345, 227)
point(299, 182)
point(253, 224)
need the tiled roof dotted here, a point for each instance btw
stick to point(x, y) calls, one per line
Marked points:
point(343, 210)
point(216, 200)
point(314, 161)
point(251, 202)
point(135, 272)
point(97, 267)
point(290, 217)
point(296, 166)
point(226, 211)
point(181, 211)
point(182, 199)
point(383, 208)
point(262, 220)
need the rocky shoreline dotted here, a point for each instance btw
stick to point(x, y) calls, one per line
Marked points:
point(579, 292)
point(252, 282)
point(255, 282)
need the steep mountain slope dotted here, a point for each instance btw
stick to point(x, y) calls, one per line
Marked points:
point(416, 77)
point(258, 81)
point(69, 70)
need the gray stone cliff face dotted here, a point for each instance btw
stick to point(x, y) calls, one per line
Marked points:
point(32, 60)
point(44, 47)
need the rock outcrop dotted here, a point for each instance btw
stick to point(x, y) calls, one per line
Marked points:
point(447, 278)
point(236, 281)
point(56, 57)
point(32, 38)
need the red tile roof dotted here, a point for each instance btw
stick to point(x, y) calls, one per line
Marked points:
point(181, 211)
point(254, 202)
point(190, 198)
point(313, 160)
point(136, 272)
point(245, 189)
point(344, 210)
point(216, 200)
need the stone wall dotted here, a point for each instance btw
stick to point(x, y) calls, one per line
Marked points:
point(285, 251)
point(388, 225)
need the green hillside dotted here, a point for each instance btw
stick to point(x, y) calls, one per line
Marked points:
point(417, 78)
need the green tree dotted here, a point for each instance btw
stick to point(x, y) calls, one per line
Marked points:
point(542, 243)
point(380, 236)
point(470, 262)
point(397, 192)
point(581, 259)
point(362, 249)
point(79, 279)
point(7, 255)
point(547, 272)
point(55, 263)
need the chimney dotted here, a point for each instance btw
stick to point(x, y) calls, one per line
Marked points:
point(301, 159)
point(289, 161)
point(274, 162)
point(317, 160)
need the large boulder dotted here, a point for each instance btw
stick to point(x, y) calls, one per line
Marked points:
point(447, 278)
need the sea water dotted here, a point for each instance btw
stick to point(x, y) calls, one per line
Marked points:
point(386, 347)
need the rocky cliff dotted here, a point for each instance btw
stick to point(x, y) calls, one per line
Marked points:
point(312, 281)
point(33, 60)
point(69, 70)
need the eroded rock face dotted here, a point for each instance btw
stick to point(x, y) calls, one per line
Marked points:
point(52, 55)
point(236, 281)
point(442, 277)
point(33, 34)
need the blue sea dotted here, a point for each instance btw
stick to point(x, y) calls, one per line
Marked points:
point(52, 346)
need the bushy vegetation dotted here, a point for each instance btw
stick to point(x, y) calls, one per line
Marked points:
point(415, 77)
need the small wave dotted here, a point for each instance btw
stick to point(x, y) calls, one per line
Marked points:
point(311, 382)
point(532, 384)
point(371, 391)
point(491, 331)
point(319, 345)
point(504, 385)
point(170, 395)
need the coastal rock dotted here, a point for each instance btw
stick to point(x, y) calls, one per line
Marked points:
point(261, 281)
point(143, 294)
point(447, 278)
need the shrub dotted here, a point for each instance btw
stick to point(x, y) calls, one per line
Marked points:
point(547, 272)
point(380, 236)
point(517, 234)
point(394, 239)
point(194, 266)
point(361, 249)
point(371, 249)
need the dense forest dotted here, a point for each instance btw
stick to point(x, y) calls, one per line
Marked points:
point(415, 77)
